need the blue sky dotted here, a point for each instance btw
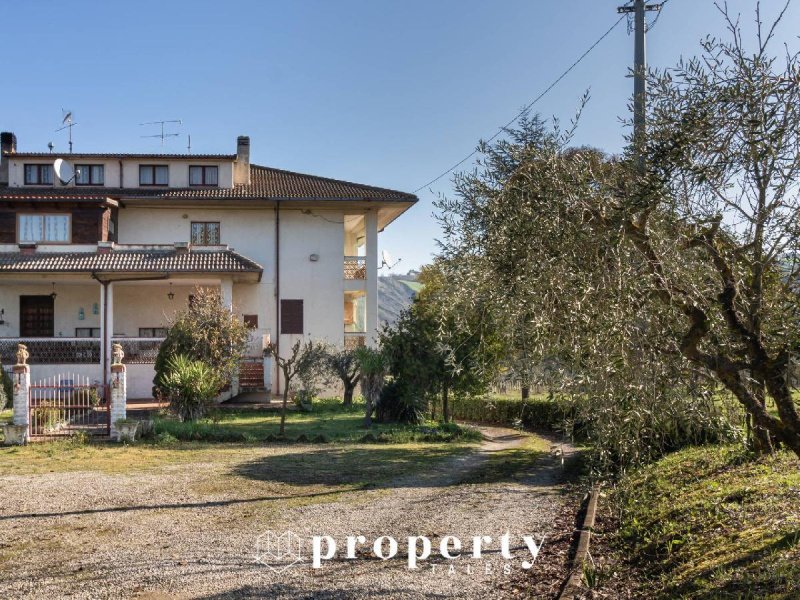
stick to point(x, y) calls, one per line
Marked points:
point(389, 93)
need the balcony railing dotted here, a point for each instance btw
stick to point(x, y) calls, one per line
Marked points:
point(354, 340)
point(78, 351)
point(52, 351)
point(355, 267)
point(139, 351)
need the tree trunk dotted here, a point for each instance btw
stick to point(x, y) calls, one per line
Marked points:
point(446, 404)
point(282, 430)
point(761, 443)
point(347, 401)
point(368, 412)
point(433, 409)
point(526, 392)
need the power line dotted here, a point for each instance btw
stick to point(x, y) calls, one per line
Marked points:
point(531, 104)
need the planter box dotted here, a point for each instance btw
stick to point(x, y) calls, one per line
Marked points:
point(126, 432)
point(15, 435)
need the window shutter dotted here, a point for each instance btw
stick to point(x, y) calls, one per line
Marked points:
point(292, 316)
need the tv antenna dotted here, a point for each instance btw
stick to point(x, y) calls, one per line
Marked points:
point(189, 147)
point(67, 122)
point(163, 133)
point(386, 260)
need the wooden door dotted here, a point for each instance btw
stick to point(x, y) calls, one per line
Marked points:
point(36, 316)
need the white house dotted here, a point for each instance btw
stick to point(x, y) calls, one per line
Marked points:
point(110, 255)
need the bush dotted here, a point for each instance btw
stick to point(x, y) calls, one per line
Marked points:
point(206, 331)
point(190, 386)
point(6, 389)
point(535, 413)
point(398, 404)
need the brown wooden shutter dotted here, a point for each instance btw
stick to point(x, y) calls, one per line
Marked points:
point(292, 316)
point(8, 227)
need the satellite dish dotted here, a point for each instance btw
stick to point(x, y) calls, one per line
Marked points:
point(386, 260)
point(67, 116)
point(63, 171)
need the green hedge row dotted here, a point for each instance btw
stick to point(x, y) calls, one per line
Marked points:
point(534, 413)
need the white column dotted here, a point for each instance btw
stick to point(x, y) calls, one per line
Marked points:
point(102, 331)
point(226, 292)
point(371, 224)
point(109, 321)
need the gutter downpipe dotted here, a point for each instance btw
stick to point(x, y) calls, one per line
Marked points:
point(277, 294)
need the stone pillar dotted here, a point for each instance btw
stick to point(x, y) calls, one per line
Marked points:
point(119, 398)
point(371, 224)
point(17, 432)
point(22, 385)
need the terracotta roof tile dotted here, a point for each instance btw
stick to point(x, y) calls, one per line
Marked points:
point(266, 183)
point(130, 261)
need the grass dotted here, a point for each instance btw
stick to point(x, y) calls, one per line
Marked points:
point(239, 436)
point(712, 522)
point(328, 420)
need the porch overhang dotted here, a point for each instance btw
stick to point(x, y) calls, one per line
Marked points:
point(127, 262)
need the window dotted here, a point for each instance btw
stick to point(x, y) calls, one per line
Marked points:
point(44, 228)
point(251, 321)
point(153, 175)
point(152, 332)
point(38, 174)
point(205, 234)
point(292, 316)
point(202, 175)
point(89, 174)
point(87, 332)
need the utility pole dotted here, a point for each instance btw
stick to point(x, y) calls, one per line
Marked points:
point(640, 9)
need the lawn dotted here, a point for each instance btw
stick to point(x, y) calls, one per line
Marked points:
point(328, 422)
point(713, 522)
point(238, 436)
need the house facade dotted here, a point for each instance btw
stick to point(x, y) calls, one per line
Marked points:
point(111, 253)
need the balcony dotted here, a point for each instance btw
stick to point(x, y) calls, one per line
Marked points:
point(355, 267)
point(354, 340)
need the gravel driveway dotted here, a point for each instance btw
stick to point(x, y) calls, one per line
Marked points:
point(190, 530)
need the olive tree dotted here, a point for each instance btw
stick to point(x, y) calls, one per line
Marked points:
point(305, 361)
point(653, 287)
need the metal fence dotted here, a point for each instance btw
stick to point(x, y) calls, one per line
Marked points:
point(66, 404)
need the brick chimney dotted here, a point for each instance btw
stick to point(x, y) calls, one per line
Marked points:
point(241, 170)
point(8, 143)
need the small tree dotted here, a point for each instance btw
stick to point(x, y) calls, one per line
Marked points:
point(206, 331)
point(373, 370)
point(306, 361)
point(343, 365)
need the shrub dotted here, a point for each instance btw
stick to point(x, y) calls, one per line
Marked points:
point(206, 331)
point(398, 405)
point(190, 386)
point(6, 389)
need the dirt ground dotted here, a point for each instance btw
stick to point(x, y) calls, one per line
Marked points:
point(191, 529)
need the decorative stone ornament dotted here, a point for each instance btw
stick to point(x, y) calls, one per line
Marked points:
point(22, 354)
point(117, 354)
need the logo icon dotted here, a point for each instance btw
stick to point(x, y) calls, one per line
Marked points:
point(278, 551)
